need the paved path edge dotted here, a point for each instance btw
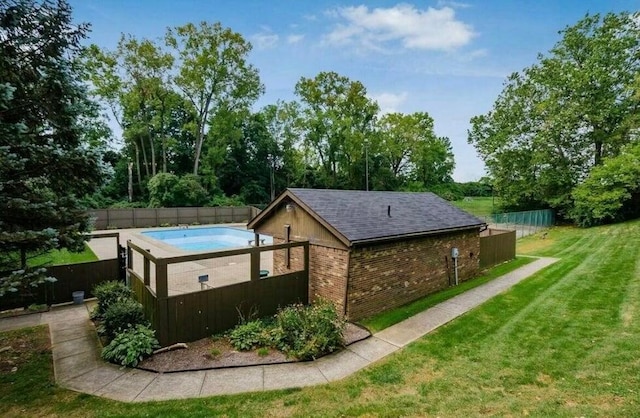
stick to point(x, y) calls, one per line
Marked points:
point(77, 363)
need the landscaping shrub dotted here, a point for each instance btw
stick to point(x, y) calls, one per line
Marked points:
point(132, 345)
point(107, 294)
point(308, 332)
point(303, 332)
point(121, 315)
point(249, 335)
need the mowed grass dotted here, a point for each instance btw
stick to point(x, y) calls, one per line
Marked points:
point(479, 206)
point(561, 343)
point(64, 256)
point(393, 316)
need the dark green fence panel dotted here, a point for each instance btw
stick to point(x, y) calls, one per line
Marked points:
point(535, 218)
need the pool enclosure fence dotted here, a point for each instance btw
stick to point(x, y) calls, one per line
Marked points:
point(185, 317)
point(151, 217)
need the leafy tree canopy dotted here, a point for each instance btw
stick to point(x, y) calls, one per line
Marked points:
point(611, 192)
point(559, 118)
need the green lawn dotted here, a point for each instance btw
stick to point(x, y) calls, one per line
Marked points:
point(479, 206)
point(393, 316)
point(64, 256)
point(561, 343)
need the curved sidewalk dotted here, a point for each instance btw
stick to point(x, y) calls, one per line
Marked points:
point(77, 364)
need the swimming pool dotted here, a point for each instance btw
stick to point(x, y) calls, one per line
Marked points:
point(205, 239)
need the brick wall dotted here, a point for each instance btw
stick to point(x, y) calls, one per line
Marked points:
point(327, 270)
point(328, 274)
point(389, 275)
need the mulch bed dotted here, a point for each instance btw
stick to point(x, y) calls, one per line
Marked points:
point(210, 353)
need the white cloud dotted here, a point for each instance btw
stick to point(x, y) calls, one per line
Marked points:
point(453, 4)
point(389, 102)
point(472, 55)
point(430, 29)
point(294, 38)
point(265, 39)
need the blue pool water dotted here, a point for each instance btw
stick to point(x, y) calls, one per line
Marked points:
point(205, 239)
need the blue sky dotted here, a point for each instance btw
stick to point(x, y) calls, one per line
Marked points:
point(448, 58)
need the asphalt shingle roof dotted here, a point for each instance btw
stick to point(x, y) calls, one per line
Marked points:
point(361, 215)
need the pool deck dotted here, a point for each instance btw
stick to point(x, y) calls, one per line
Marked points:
point(105, 248)
point(183, 277)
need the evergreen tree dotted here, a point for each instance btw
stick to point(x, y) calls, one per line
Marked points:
point(46, 164)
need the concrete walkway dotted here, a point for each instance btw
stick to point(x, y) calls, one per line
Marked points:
point(77, 364)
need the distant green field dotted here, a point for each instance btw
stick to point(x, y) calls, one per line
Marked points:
point(479, 206)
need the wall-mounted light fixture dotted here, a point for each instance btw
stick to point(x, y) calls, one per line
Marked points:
point(290, 207)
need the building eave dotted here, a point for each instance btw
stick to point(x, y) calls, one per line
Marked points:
point(390, 238)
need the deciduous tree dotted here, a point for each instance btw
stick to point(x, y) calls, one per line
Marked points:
point(557, 119)
point(337, 119)
point(213, 74)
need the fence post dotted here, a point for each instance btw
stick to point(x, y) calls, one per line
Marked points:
point(255, 263)
point(306, 273)
point(129, 255)
point(162, 303)
point(162, 288)
point(147, 270)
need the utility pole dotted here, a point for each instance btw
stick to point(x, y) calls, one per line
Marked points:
point(366, 163)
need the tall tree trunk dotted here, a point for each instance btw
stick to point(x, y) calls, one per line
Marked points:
point(138, 167)
point(598, 153)
point(144, 156)
point(196, 161)
point(163, 136)
point(204, 113)
point(153, 155)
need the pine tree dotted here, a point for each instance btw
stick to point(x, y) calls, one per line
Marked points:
point(46, 165)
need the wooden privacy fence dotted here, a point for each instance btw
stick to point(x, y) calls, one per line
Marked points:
point(497, 246)
point(192, 316)
point(70, 278)
point(149, 217)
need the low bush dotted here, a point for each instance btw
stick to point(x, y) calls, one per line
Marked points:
point(249, 335)
point(303, 332)
point(122, 315)
point(131, 346)
point(107, 294)
point(308, 332)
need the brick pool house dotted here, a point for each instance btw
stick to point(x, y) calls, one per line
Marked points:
point(372, 250)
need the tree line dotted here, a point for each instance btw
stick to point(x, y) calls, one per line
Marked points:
point(185, 103)
point(190, 134)
point(564, 133)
